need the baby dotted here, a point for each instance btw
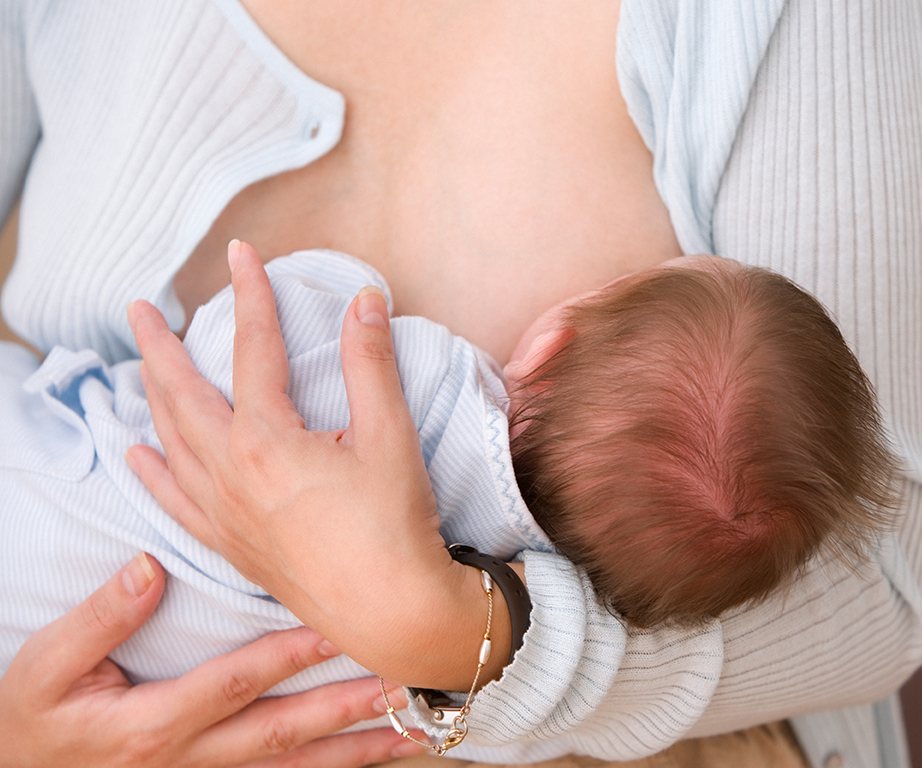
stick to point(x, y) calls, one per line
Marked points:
point(690, 435)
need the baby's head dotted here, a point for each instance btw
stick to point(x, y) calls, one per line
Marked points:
point(692, 434)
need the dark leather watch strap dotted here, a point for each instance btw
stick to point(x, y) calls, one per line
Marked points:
point(438, 706)
point(510, 585)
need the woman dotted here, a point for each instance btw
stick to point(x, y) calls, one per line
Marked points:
point(483, 144)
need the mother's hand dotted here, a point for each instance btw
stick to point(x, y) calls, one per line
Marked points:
point(341, 526)
point(63, 703)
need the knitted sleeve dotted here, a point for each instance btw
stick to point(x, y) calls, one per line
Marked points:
point(825, 186)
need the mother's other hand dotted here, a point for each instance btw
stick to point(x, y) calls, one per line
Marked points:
point(62, 702)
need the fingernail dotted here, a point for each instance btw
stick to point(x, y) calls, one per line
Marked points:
point(395, 695)
point(372, 307)
point(137, 576)
point(379, 705)
point(130, 461)
point(233, 253)
point(131, 311)
point(326, 648)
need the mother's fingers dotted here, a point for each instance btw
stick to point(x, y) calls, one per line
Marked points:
point(222, 686)
point(279, 725)
point(187, 405)
point(77, 642)
point(152, 469)
point(187, 465)
point(378, 410)
point(190, 417)
point(260, 359)
point(348, 750)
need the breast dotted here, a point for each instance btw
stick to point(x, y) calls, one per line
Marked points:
point(488, 167)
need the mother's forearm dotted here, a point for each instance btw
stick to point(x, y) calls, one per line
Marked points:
point(584, 678)
point(839, 637)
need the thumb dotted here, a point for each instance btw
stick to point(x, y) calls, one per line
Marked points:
point(78, 641)
point(378, 410)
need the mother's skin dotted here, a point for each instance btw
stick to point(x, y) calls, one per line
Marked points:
point(482, 198)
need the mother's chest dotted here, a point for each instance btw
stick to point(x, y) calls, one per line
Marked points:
point(488, 166)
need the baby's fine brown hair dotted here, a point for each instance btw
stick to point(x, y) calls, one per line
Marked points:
point(700, 436)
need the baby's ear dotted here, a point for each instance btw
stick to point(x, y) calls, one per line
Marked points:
point(542, 348)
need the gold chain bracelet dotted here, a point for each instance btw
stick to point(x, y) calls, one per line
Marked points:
point(458, 730)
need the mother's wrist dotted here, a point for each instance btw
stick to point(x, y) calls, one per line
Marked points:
point(423, 625)
point(497, 578)
point(454, 649)
point(432, 636)
point(509, 582)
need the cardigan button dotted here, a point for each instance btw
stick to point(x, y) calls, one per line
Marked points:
point(835, 760)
